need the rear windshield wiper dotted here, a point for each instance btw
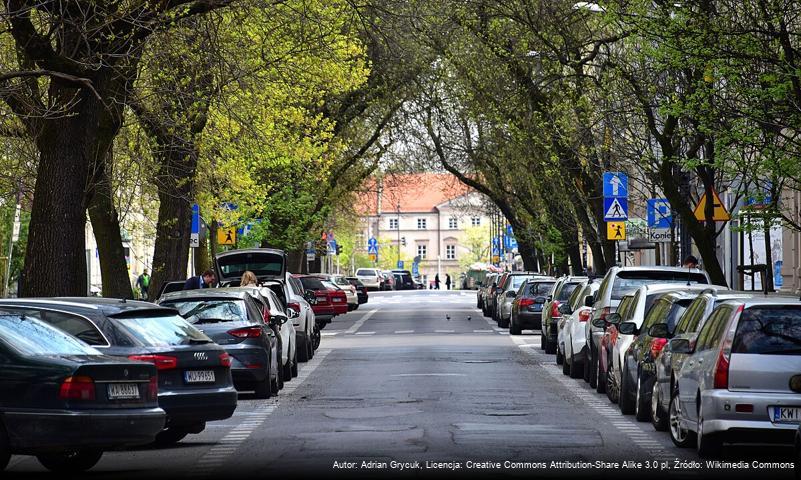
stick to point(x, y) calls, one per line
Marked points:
point(212, 320)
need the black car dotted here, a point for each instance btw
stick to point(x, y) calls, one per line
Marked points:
point(234, 320)
point(195, 383)
point(361, 290)
point(403, 280)
point(527, 305)
point(66, 402)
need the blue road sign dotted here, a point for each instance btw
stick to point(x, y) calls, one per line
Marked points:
point(372, 242)
point(332, 246)
point(509, 231)
point(616, 208)
point(195, 218)
point(415, 269)
point(495, 241)
point(509, 242)
point(372, 248)
point(616, 184)
point(659, 213)
point(400, 264)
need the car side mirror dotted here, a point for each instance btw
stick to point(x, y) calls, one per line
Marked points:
point(589, 301)
point(548, 298)
point(511, 294)
point(613, 318)
point(309, 295)
point(660, 330)
point(679, 345)
point(278, 319)
point(627, 328)
point(599, 323)
point(564, 309)
point(292, 313)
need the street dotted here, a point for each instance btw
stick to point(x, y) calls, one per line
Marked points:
point(420, 378)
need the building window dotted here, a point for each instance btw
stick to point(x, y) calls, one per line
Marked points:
point(453, 222)
point(450, 252)
point(421, 251)
point(475, 221)
point(393, 223)
point(421, 224)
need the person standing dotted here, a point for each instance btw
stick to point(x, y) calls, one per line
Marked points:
point(436, 281)
point(690, 262)
point(447, 281)
point(143, 284)
point(249, 279)
point(205, 280)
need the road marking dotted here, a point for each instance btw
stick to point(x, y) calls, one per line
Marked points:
point(329, 334)
point(404, 331)
point(429, 375)
point(444, 331)
point(483, 331)
point(216, 456)
point(365, 333)
point(360, 322)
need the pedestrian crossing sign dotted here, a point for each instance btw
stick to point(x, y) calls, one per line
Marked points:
point(616, 230)
point(616, 208)
point(720, 214)
point(226, 236)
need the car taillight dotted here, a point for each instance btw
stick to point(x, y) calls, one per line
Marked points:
point(526, 302)
point(584, 315)
point(153, 388)
point(247, 332)
point(294, 306)
point(722, 363)
point(657, 345)
point(225, 360)
point(77, 388)
point(162, 362)
point(555, 309)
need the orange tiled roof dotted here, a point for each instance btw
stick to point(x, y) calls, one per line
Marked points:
point(415, 192)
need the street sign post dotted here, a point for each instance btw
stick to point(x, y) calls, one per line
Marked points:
point(659, 213)
point(415, 269)
point(616, 230)
point(400, 264)
point(226, 236)
point(720, 214)
point(616, 208)
point(194, 236)
point(616, 185)
point(659, 235)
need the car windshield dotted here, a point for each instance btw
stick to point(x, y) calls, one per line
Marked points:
point(312, 283)
point(329, 285)
point(540, 288)
point(30, 336)
point(518, 280)
point(627, 282)
point(774, 329)
point(160, 330)
point(205, 310)
point(567, 291)
point(365, 272)
point(260, 263)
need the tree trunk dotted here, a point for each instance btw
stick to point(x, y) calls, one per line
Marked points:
point(527, 251)
point(106, 228)
point(55, 260)
point(175, 182)
point(202, 259)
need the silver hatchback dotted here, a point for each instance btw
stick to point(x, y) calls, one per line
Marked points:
point(742, 379)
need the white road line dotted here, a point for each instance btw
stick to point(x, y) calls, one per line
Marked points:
point(365, 333)
point(404, 331)
point(329, 334)
point(360, 322)
point(483, 331)
point(429, 375)
point(444, 331)
point(217, 455)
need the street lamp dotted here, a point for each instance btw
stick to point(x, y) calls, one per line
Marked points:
point(397, 208)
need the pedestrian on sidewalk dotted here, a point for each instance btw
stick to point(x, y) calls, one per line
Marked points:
point(206, 280)
point(436, 282)
point(143, 284)
point(447, 281)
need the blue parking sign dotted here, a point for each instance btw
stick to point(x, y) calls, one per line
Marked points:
point(659, 213)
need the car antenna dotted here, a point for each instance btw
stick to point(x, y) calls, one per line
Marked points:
point(689, 274)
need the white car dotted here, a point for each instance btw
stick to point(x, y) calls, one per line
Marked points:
point(343, 284)
point(370, 277)
point(576, 313)
point(308, 336)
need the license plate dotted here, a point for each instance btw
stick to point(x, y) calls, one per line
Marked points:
point(120, 391)
point(537, 307)
point(199, 376)
point(785, 415)
point(337, 299)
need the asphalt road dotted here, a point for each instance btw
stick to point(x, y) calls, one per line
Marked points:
point(423, 377)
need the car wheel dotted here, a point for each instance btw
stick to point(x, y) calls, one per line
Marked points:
point(70, 462)
point(658, 417)
point(543, 340)
point(680, 436)
point(264, 388)
point(565, 365)
point(169, 436)
point(316, 339)
point(514, 329)
point(5, 450)
point(594, 372)
point(576, 369)
point(586, 370)
point(294, 370)
point(610, 380)
point(286, 375)
point(707, 444)
point(624, 401)
point(302, 350)
point(642, 407)
point(601, 379)
point(559, 358)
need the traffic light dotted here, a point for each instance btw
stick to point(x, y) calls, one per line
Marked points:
point(339, 249)
point(403, 241)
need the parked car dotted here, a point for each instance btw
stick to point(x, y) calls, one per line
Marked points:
point(371, 278)
point(492, 295)
point(389, 280)
point(405, 277)
point(54, 386)
point(608, 380)
point(617, 282)
point(571, 331)
point(284, 330)
point(320, 299)
point(669, 363)
point(506, 292)
point(361, 289)
point(526, 306)
point(741, 381)
point(343, 284)
point(308, 335)
point(234, 320)
point(484, 291)
point(194, 373)
point(563, 289)
point(339, 299)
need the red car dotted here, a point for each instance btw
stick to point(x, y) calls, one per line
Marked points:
point(337, 297)
point(322, 306)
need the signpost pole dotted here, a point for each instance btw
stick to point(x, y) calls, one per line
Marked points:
point(11, 239)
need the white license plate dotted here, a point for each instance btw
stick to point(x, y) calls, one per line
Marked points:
point(785, 415)
point(199, 376)
point(337, 299)
point(120, 391)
